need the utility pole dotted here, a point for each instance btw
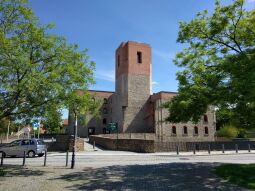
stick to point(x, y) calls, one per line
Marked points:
point(8, 130)
point(39, 123)
point(74, 141)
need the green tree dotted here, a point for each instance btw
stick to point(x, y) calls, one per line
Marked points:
point(81, 104)
point(37, 69)
point(4, 123)
point(52, 119)
point(219, 65)
point(228, 131)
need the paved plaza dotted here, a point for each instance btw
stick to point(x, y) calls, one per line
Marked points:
point(119, 170)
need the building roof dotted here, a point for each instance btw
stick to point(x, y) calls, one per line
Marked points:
point(100, 93)
point(65, 121)
point(163, 95)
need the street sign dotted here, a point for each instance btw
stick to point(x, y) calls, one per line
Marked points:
point(112, 127)
point(35, 125)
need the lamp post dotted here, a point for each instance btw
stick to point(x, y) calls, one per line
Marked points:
point(74, 141)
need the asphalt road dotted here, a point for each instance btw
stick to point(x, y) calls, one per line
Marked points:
point(109, 158)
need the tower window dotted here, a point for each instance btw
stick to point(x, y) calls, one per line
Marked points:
point(139, 57)
point(118, 60)
point(185, 130)
point(105, 100)
point(195, 130)
point(104, 121)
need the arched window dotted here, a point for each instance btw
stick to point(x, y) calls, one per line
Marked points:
point(205, 118)
point(104, 111)
point(105, 100)
point(185, 130)
point(206, 131)
point(104, 121)
point(195, 130)
point(173, 130)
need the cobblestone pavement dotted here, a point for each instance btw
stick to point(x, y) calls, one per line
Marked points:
point(120, 171)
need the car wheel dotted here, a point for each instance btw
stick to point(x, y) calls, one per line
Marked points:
point(40, 155)
point(31, 154)
point(3, 154)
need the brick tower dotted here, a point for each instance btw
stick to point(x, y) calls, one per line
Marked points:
point(132, 86)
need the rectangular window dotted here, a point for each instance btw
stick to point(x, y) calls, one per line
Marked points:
point(185, 130)
point(139, 57)
point(118, 61)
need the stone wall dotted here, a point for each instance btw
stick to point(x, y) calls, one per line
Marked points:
point(152, 144)
point(79, 145)
point(164, 129)
point(64, 143)
point(135, 145)
point(203, 146)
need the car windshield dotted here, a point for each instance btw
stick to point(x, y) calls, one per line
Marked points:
point(40, 142)
point(15, 143)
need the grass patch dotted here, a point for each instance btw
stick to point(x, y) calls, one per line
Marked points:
point(2, 172)
point(240, 174)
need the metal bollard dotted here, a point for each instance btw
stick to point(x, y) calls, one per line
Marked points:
point(177, 149)
point(24, 159)
point(223, 148)
point(67, 153)
point(2, 158)
point(194, 149)
point(45, 158)
point(209, 149)
point(94, 144)
point(249, 148)
point(236, 148)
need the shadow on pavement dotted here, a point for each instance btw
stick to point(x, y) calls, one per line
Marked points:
point(174, 176)
point(20, 171)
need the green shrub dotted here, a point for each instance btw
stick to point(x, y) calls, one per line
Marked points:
point(228, 131)
point(242, 133)
point(2, 172)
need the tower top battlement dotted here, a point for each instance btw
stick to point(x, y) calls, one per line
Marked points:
point(133, 58)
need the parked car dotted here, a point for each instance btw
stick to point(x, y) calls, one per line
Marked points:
point(32, 147)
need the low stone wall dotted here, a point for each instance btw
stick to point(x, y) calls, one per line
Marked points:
point(64, 143)
point(214, 146)
point(135, 145)
point(142, 136)
point(154, 145)
point(79, 144)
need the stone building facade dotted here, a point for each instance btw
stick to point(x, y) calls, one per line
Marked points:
point(135, 108)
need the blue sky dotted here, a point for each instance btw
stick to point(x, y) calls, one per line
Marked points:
point(101, 25)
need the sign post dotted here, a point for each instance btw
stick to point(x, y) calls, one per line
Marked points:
point(112, 127)
point(36, 127)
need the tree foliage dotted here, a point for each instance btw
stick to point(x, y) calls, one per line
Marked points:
point(219, 65)
point(228, 131)
point(37, 69)
point(81, 103)
point(52, 119)
point(4, 123)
